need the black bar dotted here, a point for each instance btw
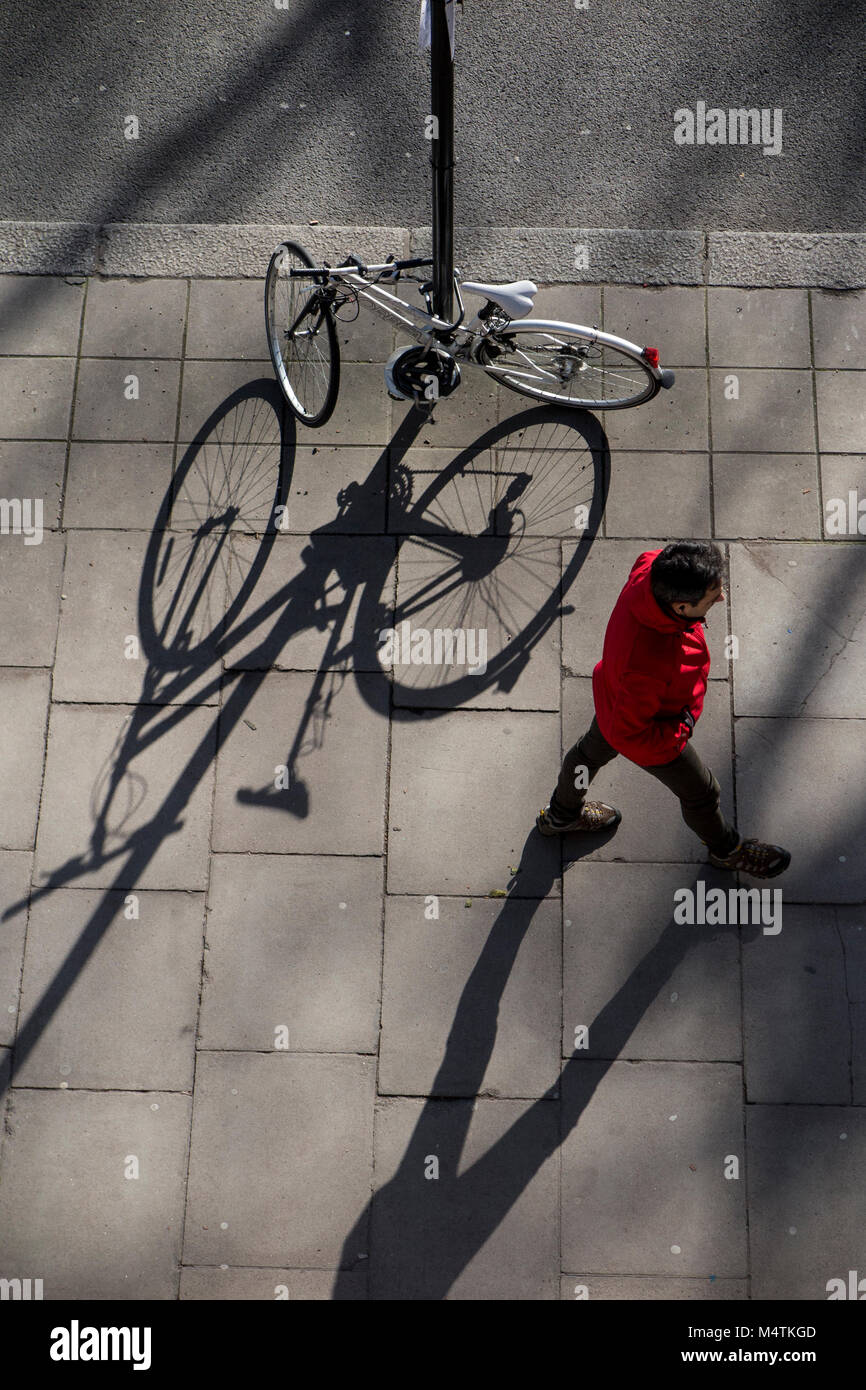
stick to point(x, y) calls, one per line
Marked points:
point(442, 110)
point(233, 1337)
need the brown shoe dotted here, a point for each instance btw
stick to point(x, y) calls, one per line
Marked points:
point(594, 816)
point(755, 858)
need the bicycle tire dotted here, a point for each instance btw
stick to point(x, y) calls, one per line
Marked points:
point(601, 366)
point(309, 386)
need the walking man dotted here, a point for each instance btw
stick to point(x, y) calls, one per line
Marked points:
point(648, 690)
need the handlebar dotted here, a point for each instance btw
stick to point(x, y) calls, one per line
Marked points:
point(357, 266)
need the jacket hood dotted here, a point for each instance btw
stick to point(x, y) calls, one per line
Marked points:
point(642, 603)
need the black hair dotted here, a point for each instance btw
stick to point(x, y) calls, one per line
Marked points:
point(685, 570)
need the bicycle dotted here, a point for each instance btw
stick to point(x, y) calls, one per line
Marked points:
point(561, 363)
point(553, 361)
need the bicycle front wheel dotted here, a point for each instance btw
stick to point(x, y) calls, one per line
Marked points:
point(302, 339)
point(561, 365)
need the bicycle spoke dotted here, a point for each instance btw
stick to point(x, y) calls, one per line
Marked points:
point(567, 367)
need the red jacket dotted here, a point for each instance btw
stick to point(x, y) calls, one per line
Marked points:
point(652, 667)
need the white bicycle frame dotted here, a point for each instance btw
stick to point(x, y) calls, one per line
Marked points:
point(427, 328)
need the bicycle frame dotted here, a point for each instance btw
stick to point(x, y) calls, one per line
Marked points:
point(427, 327)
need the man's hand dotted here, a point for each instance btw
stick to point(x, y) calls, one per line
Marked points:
point(685, 716)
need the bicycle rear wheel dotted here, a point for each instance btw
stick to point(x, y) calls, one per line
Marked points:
point(566, 367)
point(302, 339)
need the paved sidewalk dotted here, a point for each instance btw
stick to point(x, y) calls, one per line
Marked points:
point(277, 933)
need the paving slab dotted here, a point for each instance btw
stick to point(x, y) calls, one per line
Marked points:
point(642, 486)
point(24, 697)
point(643, 1158)
point(34, 469)
point(335, 801)
point(858, 1053)
point(635, 1288)
point(139, 476)
point(592, 596)
point(554, 464)
point(444, 491)
point(487, 1226)
point(458, 420)
point(851, 923)
point(844, 515)
point(461, 965)
point(652, 828)
point(643, 984)
point(237, 481)
point(313, 594)
point(771, 410)
point(190, 596)
point(71, 1211)
point(101, 653)
point(447, 775)
point(127, 1018)
point(674, 420)
point(303, 1125)
point(369, 336)
point(40, 315)
point(134, 318)
point(800, 784)
point(669, 318)
point(37, 396)
point(841, 411)
point(770, 496)
point(293, 943)
point(838, 328)
point(758, 328)
point(210, 1283)
point(30, 588)
point(242, 396)
point(171, 846)
point(500, 599)
point(806, 1201)
point(226, 319)
point(15, 868)
point(798, 614)
point(569, 304)
point(320, 473)
point(797, 1035)
point(103, 409)
point(662, 1000)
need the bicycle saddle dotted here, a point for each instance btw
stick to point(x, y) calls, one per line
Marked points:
point(515, 298)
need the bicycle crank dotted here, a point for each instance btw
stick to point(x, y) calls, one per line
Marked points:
point(421, 374)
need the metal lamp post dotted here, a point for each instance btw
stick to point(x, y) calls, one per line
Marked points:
point(442, 159)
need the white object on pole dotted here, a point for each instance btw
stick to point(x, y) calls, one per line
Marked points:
point(425, 29)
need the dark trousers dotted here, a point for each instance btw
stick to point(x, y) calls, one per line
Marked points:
point(686, 776)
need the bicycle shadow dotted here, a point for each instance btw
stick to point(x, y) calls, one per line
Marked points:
point(194, 614)
point(420, 1231)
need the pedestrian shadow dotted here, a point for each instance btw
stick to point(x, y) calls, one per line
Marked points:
point(420, 1235)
